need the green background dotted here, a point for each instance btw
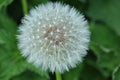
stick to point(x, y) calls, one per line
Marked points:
point(102, 61)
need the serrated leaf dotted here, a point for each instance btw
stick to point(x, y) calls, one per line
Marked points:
point(4, 3)
point(116, 73)
point(107, 11)
point(105, 44)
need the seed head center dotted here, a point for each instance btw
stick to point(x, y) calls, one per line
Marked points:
point(55, 35)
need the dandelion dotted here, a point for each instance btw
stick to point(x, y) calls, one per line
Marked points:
point(54, 36)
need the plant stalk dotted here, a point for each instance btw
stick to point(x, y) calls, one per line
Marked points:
point(58, 76)
point(24, 6)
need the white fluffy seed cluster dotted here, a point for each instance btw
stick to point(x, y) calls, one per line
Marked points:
point(54, 36)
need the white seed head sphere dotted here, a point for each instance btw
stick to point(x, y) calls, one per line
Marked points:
point(54, 36)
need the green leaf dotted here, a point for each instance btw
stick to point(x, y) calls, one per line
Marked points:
point(10, 65)
point(90, 72)
point(107, 11)
point(78, 4)
point(2, 36)
point(37, 70)
point(28, 75)
point(7, 31)
point(105, 44)
point(83, 1)
point(4, 3)
point(73, 74)
point(11, 61)
point(33, 3)
point(116, 74)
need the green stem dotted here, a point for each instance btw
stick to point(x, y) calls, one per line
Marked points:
point(24, 6)
point(58, 76)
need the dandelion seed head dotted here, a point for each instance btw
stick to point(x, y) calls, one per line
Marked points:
point(54, 36)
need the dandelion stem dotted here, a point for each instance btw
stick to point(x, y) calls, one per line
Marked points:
point(58, 76)
point(24, 6)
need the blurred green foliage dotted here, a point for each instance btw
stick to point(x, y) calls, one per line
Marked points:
point(4, 3)
point(116, 73)
point(102, 61)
